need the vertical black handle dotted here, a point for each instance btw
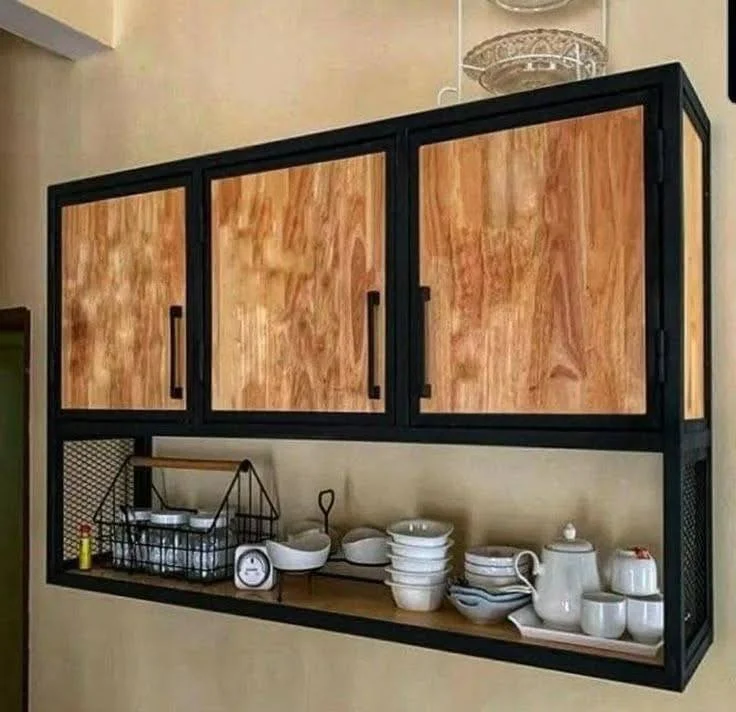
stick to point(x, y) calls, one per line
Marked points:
point(176, 313)
point(374, 390)
point(425, 389)
point(326, 507)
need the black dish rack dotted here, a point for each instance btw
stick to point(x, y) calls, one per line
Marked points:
point(246, 514)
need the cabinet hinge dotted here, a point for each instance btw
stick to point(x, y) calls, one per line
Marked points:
point(661, 356)
point(660, 156)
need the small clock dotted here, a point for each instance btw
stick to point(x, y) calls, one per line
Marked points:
point(253, 568)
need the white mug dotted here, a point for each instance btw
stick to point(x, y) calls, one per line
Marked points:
point(645, 618)
point(603, 614)
point(634, 573)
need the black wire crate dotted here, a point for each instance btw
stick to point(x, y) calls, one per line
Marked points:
point(166, 540)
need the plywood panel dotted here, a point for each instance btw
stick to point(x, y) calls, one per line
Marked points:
point(123, 266)
point(294, 253)
point(532, 243)
point(694, 338)
point(367, 600)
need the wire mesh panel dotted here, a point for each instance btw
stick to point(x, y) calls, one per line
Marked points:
point(90, 467)
point(695, 545)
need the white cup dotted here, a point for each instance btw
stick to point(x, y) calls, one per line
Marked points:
point(603, 614)
point(634, 573)
point(645, 618)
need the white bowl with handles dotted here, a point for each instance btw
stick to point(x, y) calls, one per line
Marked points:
point(414, 579)
point(417, 598)
point(421, 552)
point(418, 566)
point(365, 546)
point(420, 532)
point(303, 553)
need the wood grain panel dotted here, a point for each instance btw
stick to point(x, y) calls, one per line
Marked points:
point(123, 266)
point(694, 338)
point(532, 242)
point(371, 601)
point(295, 252)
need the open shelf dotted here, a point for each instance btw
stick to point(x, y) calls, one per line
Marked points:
point(366, 608)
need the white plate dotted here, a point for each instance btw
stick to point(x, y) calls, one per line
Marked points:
point(418, 566)
point(420, 552)
point(502, 556)
point(420, 532)
point(530, 626)
point(480, 610)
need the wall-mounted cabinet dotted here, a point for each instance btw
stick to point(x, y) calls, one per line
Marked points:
point(530, 270)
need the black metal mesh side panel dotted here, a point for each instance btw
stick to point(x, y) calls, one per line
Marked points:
point(89, 469)
point(695, 545)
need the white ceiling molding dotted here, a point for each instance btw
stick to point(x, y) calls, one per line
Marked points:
point(47, 31)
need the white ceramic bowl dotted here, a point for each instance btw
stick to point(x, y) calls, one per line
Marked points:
point(303, 553)
point(428, 579)
point(421, 552)
point(417, 598)
point(312, 526)
point(420, 532)
point(603, 615)
point(482, 611)
point(493, 571)
point(365, 546)
point(501, 556)
point(418, 566)
point(488, 583)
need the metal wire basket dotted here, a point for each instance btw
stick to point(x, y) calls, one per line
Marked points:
point(529, 59)
point(179, 542)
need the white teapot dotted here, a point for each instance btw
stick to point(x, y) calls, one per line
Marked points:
point(569, 568)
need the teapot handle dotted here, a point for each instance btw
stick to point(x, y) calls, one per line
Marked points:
point(536, 570)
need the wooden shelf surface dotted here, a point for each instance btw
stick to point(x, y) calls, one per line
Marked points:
point(370, 600)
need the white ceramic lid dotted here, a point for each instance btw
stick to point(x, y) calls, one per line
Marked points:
point(169, 518)
point(570, 543)
point(134, 515)
point(204, 520)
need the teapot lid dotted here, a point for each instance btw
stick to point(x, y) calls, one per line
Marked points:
point(570, 543)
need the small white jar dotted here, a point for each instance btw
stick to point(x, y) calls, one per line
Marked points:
point(210, 548)
point(167, 542)
point(130, 539)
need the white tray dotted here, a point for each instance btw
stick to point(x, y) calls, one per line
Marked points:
point(530, 626)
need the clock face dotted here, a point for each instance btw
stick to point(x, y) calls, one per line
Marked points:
point(253, 567)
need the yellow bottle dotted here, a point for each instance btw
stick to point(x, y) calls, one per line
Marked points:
point(85, 547)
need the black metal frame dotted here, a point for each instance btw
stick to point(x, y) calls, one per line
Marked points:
point(665, 93)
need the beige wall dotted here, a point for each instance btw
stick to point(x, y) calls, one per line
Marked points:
point(95, 18)
point(190, 77)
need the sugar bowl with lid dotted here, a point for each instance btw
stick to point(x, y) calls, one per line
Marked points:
point(568, 569)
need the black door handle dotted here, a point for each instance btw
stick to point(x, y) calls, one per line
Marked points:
point(425, 389)
point(374, 390)
point(176, 313)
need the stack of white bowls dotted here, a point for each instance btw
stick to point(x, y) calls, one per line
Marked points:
point(492, 567)
point(419, 551)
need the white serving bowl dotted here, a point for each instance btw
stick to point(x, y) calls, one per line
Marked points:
point(481, 610)
point(421, 552)
point(417, 598)
point(488, 583)
point(420, 532)
point(365, 546)
point(412, 579)
point(501, 556)
point(493, 571)
point(309, 551)
point(418, 566)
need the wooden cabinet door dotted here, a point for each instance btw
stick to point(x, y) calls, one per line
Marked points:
point(531, 245)
point(122, 302)
point(298, 288)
